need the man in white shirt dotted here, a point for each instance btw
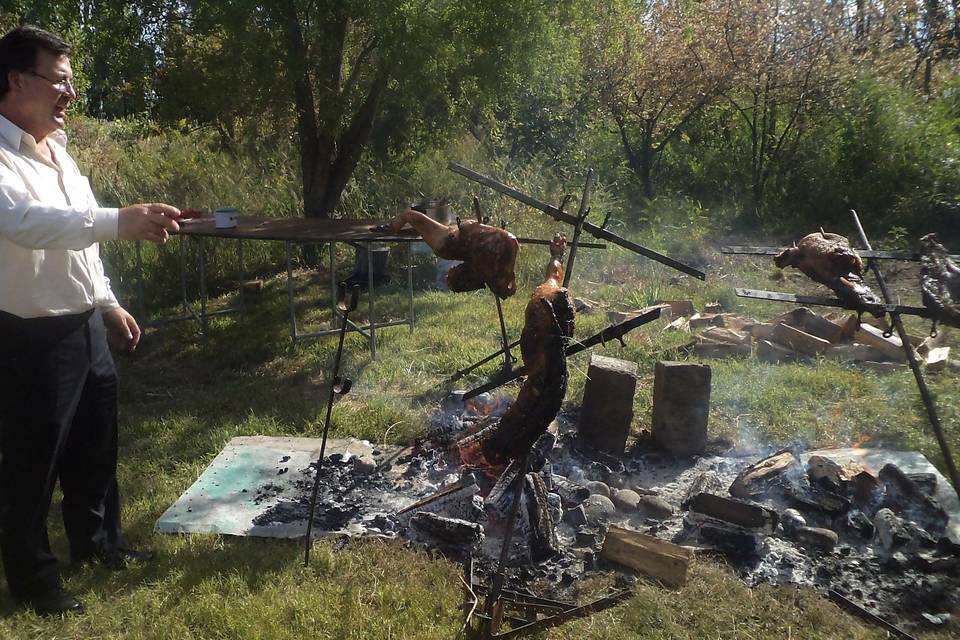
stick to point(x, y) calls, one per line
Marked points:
point(58, 384)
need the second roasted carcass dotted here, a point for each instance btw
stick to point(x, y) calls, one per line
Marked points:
point(939, 281)
point(489, 254)
point(548, 327)
point(827, 258)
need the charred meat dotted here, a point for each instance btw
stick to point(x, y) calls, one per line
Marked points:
point(939, 281)
point(489, 254)
point(827, 258)
point(548, 326)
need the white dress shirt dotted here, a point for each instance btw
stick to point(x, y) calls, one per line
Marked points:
point(50, 224)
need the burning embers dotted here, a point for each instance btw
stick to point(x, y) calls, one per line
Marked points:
point(876, 538)
point(548, 326)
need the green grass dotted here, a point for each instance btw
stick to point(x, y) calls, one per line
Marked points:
point(184, 396)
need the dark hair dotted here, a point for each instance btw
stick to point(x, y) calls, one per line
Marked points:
point(18, 51)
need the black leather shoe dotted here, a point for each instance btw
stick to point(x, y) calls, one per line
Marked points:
point(123, 557)
point(55, 602)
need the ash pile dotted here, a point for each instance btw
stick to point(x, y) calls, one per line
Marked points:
point(877, 537)
point(872, 532)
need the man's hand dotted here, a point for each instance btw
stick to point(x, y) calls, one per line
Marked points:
point(151, 222)
point(122, 329)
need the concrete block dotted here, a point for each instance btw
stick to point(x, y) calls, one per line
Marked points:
point(607, 410)
point(681, 407)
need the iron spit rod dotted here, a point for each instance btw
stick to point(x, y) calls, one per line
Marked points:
point(612, 332)
point(578, 228)
point(323, 440)
point(462, 372)
point(560, 216)
point(914, 365)
point(857, 610)
point(505, 347)
point(490, 607)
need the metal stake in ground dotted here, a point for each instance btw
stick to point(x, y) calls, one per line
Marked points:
point(914, 365)
point(582, 214)
point(493, 607)
point(338, 386)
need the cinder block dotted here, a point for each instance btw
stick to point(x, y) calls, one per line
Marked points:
point(608, 404)
point(681, 407)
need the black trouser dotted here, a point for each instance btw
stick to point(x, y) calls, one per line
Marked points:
point(58, 420)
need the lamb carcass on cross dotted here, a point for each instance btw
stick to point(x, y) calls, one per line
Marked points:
point(827, 258)
point(489, 254)
point(548, 326)
point(939, 281)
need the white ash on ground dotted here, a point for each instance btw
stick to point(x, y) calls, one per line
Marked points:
point(854, 530)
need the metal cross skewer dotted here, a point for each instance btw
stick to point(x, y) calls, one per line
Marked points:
point(912, 360)
point(338, 386)
point(508, 358)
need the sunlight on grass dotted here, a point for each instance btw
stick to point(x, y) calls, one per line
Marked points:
point(184, 396)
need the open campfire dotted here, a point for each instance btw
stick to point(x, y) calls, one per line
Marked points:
point(877, 537)
point(533, 495)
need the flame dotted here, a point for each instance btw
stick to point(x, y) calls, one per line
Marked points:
point(472, 455)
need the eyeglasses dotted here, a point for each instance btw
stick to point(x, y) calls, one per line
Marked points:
point(63, 86)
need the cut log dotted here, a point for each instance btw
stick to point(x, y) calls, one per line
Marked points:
point(737, 323)
point(799, 341)
point(711, 349)
point(699, 321)
point(774, 353)
point(617, 317)
point(713, 307)
point(891, 347)
point(762, 331)
point(937, 358)
point(725, 335)
point(251, 287)
point(806, 320)
point(659, 559)
point(680, 307)
point(855, 352)
point(756, 479)
point(585, 305)
point(738, 512)
point(929, 343)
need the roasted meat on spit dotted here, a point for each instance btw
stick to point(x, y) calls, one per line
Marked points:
point(489, 254)
point(827, 258)
point(939, 281)
point(548, 326)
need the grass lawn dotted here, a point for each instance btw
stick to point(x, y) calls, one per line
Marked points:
point(184, 396)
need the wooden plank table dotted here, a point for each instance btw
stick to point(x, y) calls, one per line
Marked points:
point(300, 231)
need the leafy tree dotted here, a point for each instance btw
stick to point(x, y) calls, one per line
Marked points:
point(654, 67)
point(792, 69)
point(115, 47)
point(341, 73)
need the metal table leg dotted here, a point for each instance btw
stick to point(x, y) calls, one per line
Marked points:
point(410, 282)
point(202, 255)
point(290, 303)
point(370, 303)
point(334, 316)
